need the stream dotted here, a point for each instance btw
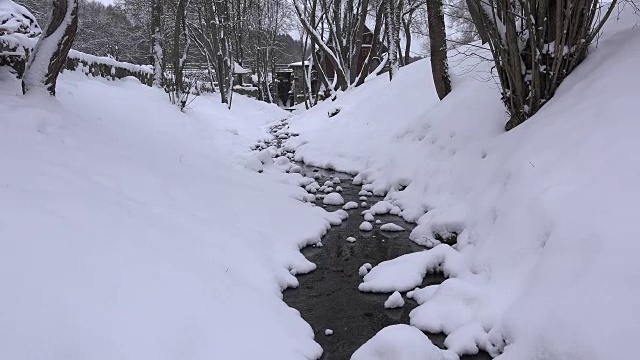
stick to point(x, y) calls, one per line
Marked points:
point(328, 298)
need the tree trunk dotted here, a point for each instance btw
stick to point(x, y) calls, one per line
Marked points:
point(156, 43)
point(438, 48)
point(178, 59)
point(407, 34)
point(390, 28)
point(371, 65)
point(50, 53)
point(355, 57)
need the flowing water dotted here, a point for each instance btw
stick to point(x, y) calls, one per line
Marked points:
point(328, 298)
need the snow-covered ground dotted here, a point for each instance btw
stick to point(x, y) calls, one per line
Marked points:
point(129, 230)
point(546, 262)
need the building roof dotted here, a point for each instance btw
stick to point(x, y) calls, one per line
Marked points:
point(238, 69)
point(299, 63)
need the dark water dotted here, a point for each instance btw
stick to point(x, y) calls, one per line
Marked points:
point(328, 298)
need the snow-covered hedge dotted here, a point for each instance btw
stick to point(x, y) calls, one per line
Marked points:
point(250, 91)
point(107, 67)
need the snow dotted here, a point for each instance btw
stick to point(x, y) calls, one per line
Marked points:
point(544, 214)
point(366, 226)
point(333, 199)
point(239, 70)
point(132, 230)
point(395, 300)
point(363, 270)
point(368, 217)
point(350, 205)
point(37, 67)
point(351, 239)
point(406, 272)
point(391, 227)
point(15, 18)
point(328, 332)
point(398, 342)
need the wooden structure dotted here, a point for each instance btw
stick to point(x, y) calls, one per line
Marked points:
point(367, 44)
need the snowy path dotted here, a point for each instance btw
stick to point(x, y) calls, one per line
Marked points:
point(342, 317)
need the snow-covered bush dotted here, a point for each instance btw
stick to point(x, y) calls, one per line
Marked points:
point(18, 28)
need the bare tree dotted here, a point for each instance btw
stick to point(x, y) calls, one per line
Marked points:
point(50, 53)
point(536, 45)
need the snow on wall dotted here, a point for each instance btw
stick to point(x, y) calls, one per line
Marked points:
point(545, 214)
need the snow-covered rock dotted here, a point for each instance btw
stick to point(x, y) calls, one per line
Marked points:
point(398, 342)
point(391, 227)
point(394, 301)
point(368, 217)
point(333, 199)
point(336, 180)
point(338, 188)
point(350, 205)
point(351, 239)
point(328, 332)
point(366, 226)
point(362, 271)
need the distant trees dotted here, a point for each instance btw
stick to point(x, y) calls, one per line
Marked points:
point(536, 45)
point(50, 53)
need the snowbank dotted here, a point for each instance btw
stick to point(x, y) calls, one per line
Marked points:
point(130, 230)
point(544, 215)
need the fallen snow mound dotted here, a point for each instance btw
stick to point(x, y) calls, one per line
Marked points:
point(333, 199)
point(398, 342)
point(391, 227)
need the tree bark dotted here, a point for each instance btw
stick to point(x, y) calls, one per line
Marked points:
point(178, 59)
point(438, 48)
point(157, 50)
point(355, 57)
point(50, 53)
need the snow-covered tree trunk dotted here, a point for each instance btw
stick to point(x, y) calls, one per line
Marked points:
point(438, 48)
point(50, 53)
point(179, 59)
point(391, 37)
point(157, 50)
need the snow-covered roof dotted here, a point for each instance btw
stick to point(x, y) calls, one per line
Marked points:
point(299, 63)
point(238, 69)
